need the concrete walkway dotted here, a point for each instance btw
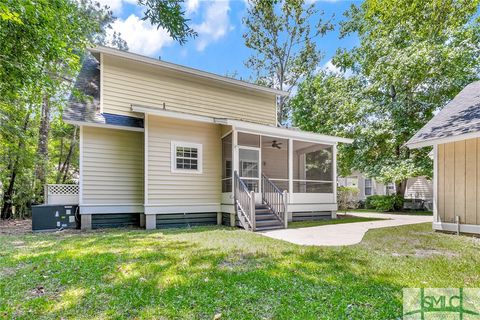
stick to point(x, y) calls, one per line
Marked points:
point(343, 234)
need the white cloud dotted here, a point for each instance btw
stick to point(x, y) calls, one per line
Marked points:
point(330, 67)
point(116, 5)
point(141, 36)
point(215, 25)
point(191, 6)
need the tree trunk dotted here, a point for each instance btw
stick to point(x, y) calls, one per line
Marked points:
point(400, 187)
point(42, 152)
point(68, 159)
point(59, 165)
point(8, 195)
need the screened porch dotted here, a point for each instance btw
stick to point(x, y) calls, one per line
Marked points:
point(305, 169)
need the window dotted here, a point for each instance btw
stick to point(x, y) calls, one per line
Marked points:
point(390, 188)
point(186, 157)
point(368, 187)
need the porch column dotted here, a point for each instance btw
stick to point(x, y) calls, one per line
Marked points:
point(290, 165)
point(334, 157)
point(235, 150)
point(235, 168)
point(290, 177)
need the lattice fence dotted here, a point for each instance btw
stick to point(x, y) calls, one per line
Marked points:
point(61, 194)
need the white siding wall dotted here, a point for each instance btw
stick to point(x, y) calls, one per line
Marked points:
point(167, 188)
point(112, 166)
point(125, 83)
point(419, 188)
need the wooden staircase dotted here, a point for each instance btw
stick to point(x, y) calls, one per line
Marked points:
point(266, 219)
point(270, 214)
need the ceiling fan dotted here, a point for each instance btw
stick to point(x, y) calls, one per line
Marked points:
point(276, 144)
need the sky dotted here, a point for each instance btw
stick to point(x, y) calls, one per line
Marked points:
point(219, 47)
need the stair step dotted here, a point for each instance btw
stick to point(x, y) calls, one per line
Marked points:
point(265, 228)
point(271, 222)
point(262, 211)
point(265, 217)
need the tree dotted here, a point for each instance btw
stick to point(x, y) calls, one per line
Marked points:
point(168, 14)
point(413, 57)
point(331, 104)
point(42, 44)
point(283, 35)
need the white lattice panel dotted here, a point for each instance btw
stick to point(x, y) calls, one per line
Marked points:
point(61, 194)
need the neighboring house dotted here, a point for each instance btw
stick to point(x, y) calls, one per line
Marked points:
point(454, 134)
point(166, 145)
point(418, 188)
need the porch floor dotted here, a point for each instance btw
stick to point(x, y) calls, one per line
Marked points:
point(343, 234)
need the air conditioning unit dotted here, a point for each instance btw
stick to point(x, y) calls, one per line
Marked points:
point(51, 217)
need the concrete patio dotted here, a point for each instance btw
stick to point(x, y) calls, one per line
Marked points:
point(343, 234)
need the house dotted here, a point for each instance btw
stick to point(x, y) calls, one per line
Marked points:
point(418, 188)
point(165, 145)
point(454, 134)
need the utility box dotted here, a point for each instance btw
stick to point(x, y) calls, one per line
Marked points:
point(54, 217)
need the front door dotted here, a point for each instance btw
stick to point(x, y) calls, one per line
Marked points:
point(249, 169)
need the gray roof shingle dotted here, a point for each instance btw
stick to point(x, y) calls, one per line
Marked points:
point(87, 109)
point(460, 116)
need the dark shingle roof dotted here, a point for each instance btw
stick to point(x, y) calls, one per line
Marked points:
point(87, 109)
point(460, 116)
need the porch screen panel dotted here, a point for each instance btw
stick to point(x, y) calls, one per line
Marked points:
point(313, 168)
point(249, 169)
point(227, 164)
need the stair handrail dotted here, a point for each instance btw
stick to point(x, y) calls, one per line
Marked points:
point(275, 199)
point(244, 203)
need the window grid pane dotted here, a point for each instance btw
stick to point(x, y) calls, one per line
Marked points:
point(186, 158)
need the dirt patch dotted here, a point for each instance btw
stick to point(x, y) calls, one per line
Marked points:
point(15, 227)
point(238, 263)
point(7, 272)
point(426, 253)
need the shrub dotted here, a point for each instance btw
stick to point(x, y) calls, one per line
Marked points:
point(384, 203)
point(347, 198)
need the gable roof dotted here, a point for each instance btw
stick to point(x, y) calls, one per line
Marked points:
point(86, 110)
point(187, 70)
point(458, 120)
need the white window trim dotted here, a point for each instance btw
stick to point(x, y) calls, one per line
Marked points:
point(198, 146)
point(370, 187)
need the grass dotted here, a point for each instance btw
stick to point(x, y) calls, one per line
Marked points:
point(408, 212)
point(340, 219)
point(218, 271)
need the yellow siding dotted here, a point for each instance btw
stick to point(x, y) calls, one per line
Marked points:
point(441, 181)
point(167, 188)
point(449, 182)
point(125, 83)
point(471, 181)
point(458, 180)
point(112, 166)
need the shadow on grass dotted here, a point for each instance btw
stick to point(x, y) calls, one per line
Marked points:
point(193, 273)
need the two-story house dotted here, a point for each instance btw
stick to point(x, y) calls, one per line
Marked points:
point(166, 145)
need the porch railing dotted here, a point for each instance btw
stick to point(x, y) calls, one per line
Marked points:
point(275, 199)
point(244, 203)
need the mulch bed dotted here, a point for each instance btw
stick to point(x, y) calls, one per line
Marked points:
point(14, 227)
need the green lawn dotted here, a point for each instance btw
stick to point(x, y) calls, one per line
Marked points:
point(410, 212)
point(340, 219)
point(208, 271)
